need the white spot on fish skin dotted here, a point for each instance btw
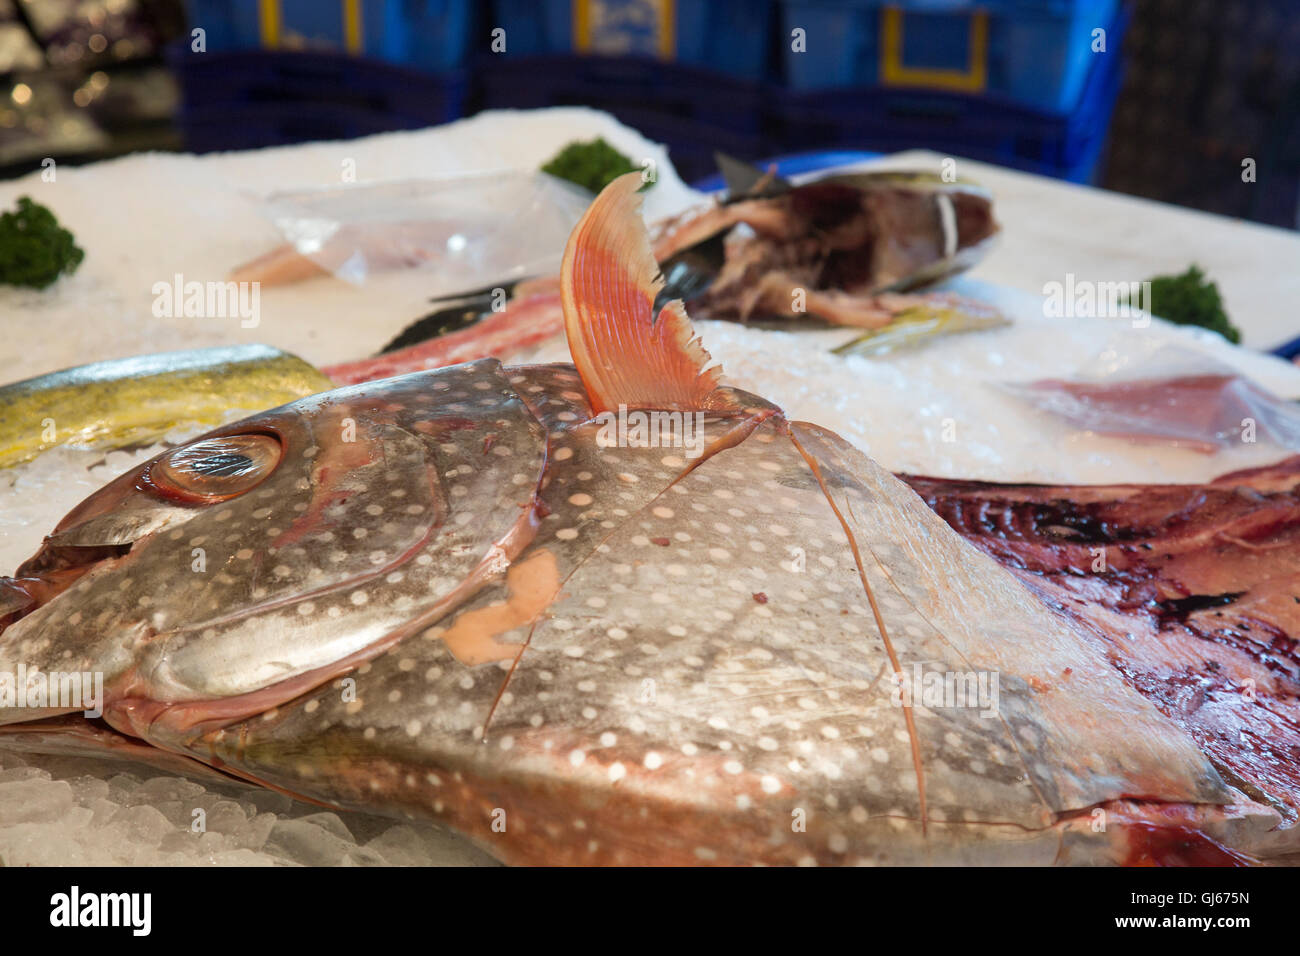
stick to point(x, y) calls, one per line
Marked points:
point(563, 454)
point(576, 757)
point(306, 608)
point(653, 761)
point(413, 728)
point(770, 784)
point(608, 739)
point(358, 598)
point(567, 534)
point(617, 772)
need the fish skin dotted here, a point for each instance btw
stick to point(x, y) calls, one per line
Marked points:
point(138, 400)
point(731, 673)
point(170, 639)
point(578, 650)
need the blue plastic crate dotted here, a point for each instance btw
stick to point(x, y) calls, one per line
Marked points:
point(1037, 52)
point(429, 35)
point(729, 36)
point(1065, 144)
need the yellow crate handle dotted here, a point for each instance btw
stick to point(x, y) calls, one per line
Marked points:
point(894, 73)
point(666, 28)
point(270, 19)
point(268, 15)
point(352, 26)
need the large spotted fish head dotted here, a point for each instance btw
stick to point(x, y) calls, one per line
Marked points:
point(230, 573)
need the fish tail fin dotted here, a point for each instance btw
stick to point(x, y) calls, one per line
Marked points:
point(608, 284)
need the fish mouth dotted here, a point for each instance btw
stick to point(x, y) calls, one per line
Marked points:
point(47, 575)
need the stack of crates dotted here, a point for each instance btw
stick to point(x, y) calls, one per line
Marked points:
point(268, 72)
point(1023, 83)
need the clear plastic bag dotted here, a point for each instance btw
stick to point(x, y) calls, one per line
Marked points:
point(482, 228)
point(1170, 395)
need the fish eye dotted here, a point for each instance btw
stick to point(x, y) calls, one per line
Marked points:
point(216, 468)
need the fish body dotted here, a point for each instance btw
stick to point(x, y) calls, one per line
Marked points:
point(840, 241)
point(138, 400)
point(608, 612)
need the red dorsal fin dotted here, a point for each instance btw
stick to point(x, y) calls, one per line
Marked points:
point(608, 285)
